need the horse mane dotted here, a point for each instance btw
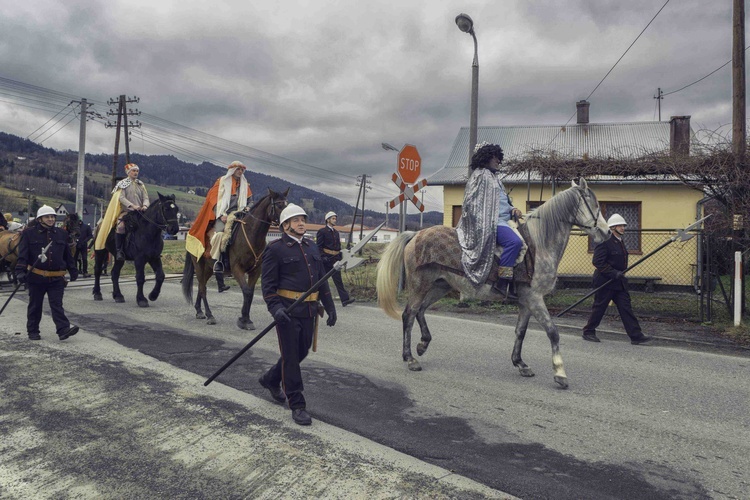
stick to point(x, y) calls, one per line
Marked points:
point(544, 221)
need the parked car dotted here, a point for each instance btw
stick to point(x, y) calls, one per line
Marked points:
point(168, 236)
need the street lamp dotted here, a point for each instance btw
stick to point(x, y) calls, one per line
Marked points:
point(465, 24)
point(28, 204)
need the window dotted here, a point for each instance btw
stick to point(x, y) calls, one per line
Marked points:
point(457, 210)
point(631, 211)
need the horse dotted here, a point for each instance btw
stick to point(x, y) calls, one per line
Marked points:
point(244, 258)
point(144, 244)
point(548, 232)
point(72, 226)
point(9, 241)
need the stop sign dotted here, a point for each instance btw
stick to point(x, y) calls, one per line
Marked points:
point(409, 164)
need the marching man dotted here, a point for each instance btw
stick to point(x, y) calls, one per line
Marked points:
point(291, 266)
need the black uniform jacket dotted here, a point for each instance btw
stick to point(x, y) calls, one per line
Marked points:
point(328, 238)
point(84, 237)
point(609, 257)
point(288, 265)
point(33, 241)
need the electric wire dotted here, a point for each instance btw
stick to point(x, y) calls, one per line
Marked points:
point(701, 79)
point(45, 123)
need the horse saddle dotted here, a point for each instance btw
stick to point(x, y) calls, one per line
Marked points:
point(439, 247)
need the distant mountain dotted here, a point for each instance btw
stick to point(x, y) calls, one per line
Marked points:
point(165, 170)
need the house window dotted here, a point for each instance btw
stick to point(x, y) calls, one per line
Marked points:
point(631, 212)
point(457, 210)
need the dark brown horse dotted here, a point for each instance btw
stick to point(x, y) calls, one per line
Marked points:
point(244, 258)
point(72, 226)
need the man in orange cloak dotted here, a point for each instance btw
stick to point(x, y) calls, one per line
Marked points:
point(228, 194)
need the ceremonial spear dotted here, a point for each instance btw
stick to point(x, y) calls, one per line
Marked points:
point(348, 261)
point(682, 235)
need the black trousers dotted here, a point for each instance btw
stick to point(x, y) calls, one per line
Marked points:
point(81, 258)
point(54, 289)
point(621, 298)
point(343, 294)
point(295, 340)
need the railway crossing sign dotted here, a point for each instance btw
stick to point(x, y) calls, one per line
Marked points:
point(407, 192)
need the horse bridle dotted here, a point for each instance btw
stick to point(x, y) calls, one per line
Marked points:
point(273, 215)
point(594, 218)
point(163, 227)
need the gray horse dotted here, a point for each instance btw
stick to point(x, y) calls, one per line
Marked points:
point(548, 229)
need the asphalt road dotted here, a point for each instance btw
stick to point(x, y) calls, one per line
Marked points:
point(637, 421)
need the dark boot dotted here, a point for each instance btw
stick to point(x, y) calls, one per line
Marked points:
point(220, 282)
point(504, 283)
point(120, 246)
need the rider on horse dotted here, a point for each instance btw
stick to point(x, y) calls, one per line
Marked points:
point(228, 194)
point(129, 195)
point(484, 222)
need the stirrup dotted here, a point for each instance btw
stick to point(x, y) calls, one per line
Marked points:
point(218, 267)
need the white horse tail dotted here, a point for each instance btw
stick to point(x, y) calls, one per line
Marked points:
point(389, 269)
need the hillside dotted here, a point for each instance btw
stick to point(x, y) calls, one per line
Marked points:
point(25, 164)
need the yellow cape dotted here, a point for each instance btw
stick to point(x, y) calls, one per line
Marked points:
point(109, 220)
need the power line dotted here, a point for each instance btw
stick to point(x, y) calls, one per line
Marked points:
point(45, 123)
point(701, 79)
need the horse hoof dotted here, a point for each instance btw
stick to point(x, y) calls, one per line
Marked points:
point(119, 299)
point(153, 296)
point(211, 321)
point(98, 296)
point(245, 324)
point(526, 372)
point(561, 381)
point(142, 303)
point(414, 366)
point(200, 315)
point(421, 348)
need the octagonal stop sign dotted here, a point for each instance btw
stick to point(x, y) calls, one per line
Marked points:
point(409, 164)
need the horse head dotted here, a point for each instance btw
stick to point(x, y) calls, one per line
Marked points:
point(72, 225)
point(276, 203)
point(589, 214)
point(168, 211)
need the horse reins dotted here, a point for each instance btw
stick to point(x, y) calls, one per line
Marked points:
point(247, 240)
point(594, 218)
point(163, 227)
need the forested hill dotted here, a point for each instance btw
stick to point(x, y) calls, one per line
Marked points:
point(166, 170)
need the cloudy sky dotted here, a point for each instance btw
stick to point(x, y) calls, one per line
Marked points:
point(308, 90)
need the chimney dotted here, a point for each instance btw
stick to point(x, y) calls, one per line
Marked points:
point(583, 111)
point(679, 135)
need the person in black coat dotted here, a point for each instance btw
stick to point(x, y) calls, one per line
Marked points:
point(82, 245)
point(610, 260)
point(46, 277)
point(329, 245)
point(291, 266)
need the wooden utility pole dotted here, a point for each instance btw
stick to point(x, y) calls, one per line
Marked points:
point(122, 118)
point(739, 128)
point(81, 159)
point(659, 96)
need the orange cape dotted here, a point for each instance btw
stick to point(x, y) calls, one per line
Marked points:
point(196, 242)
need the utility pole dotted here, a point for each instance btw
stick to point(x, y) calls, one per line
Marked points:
point(739, 130)
point(659, 96)
point(122, 117)
point(81, 159)
point(387, 208)
point(365, 186)
point(421, 214)
point(354, 219)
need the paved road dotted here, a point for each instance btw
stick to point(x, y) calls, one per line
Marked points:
point(637, 421)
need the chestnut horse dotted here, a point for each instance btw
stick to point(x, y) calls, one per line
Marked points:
point(244, 257)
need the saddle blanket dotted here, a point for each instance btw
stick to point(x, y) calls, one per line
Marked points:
point(438, 246)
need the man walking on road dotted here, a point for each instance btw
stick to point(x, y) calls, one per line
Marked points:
point(610, 260)
point(329, 244)
point(46, 278)
point(291, 266)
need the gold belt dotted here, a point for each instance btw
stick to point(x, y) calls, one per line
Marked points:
point(332, 252)
point(48, 274)
point(289, 294)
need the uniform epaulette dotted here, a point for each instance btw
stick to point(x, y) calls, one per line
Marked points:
point(273, 242)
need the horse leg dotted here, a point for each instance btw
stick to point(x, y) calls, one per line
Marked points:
point(115, 276)
point(435, 294)
point(539, 309)
point(140, 280)
point(158, 269)
point(198, 310)
point(244, 321)
point(203, 293)
point(407, 319)
point(524, 315)
point(99, 257)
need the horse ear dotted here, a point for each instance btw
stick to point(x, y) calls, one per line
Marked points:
point(584, 184)
point(286, 193)
point(270, 191)
point(573, 183)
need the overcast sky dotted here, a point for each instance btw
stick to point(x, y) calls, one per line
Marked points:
point(324, 83)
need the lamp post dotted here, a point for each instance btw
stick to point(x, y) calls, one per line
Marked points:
point(465, 24)
point(28, 204)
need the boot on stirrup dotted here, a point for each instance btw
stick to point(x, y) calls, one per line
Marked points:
point(504, 283)
point(119, 246)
